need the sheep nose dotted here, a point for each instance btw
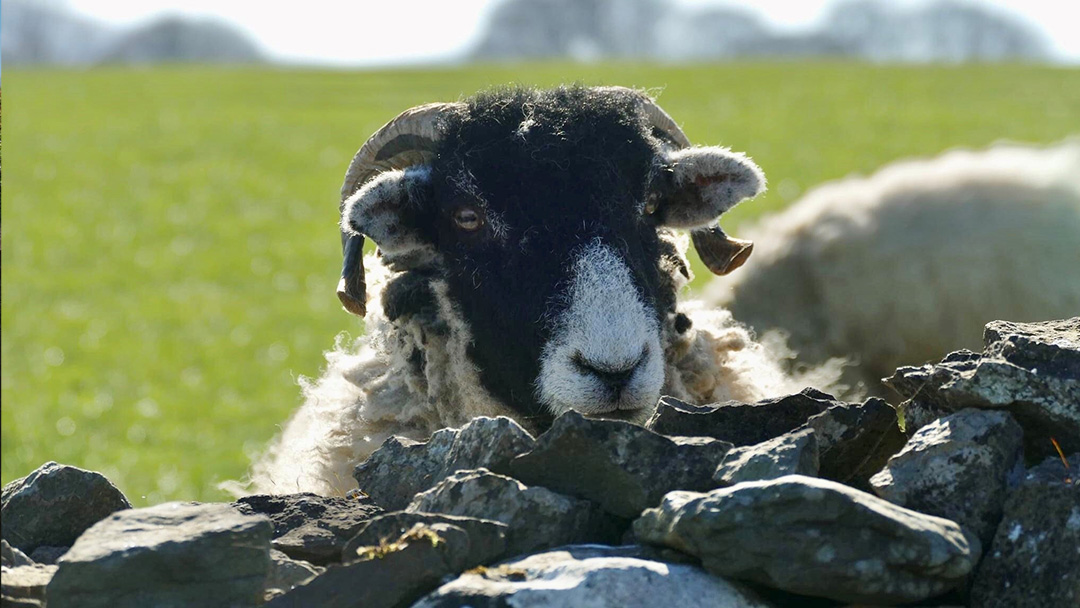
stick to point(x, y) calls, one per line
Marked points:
point(614, 376)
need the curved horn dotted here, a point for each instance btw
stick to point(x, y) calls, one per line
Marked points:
point(663, 125)
point(719, 252)
point(407, 140)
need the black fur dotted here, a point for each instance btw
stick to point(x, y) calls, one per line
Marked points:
point(560, 169)
point(409, 294)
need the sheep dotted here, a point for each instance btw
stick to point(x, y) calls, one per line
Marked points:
point(529, 262)
point(906, 265)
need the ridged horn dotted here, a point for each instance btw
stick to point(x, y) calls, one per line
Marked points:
point(719, 252)
point(663, 125)
point(409, 139)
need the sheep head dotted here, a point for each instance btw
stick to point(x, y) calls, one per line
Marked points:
point(547, 215)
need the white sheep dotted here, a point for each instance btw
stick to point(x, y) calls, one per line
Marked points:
point(908, 264)
point(528, 264)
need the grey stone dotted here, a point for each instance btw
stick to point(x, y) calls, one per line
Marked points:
point(916, 414)
point(393, 573)
point(1035, 557)
point(855, 440)
point(622, 467)
point(12, 557)
point(1053, 470)
point(25, 585)
point(48, 554)
point(958, 468)
point(794, 453)
point(173, 554)
point(55, 504)
point(923, 383)
point(1051, 347)
point(309, 527)
point(487, 538)
point(537, 517)
point(815, 537)
point(742, 424)
point(402, 468)
point(286, 573)
point(8, 602)
point(1028, 369)
point(592, 576)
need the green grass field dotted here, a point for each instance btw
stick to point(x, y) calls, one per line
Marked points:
point(169, 243)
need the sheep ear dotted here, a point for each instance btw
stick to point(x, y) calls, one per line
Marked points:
point(384, 209)
point(697, 185)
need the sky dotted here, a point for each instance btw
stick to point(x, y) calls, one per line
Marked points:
point(387, 32)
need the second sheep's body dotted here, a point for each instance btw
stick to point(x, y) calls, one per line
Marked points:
point(908, 264)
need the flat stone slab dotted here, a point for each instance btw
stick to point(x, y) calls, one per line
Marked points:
point(55, 504)
point(1035, 557)
point(855, 440)
point(394, 572)
point(48, 554)
point(1052, 347)
point(1029, 369)
point(956, 467)
point(739, 423)
point(487, 538)
point(794, 453)
point(173, 554)
point(593, 576)
point(537, 517)
point(25, 585)
point(402, 468)
point(309, 527)
point(12, 557)
point(620, 466)
point(286, 573)
point(815, 537)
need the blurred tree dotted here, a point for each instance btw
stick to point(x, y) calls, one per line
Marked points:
point(709, 33)
point(172, 39)
point(47, 32)
point(959, 32)
point(580, 29)
point(944, 31)
point(43, 31)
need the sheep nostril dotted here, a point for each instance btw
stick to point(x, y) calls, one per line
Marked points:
point(615, 376)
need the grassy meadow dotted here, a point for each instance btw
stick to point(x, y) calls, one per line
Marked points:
point(170, 251)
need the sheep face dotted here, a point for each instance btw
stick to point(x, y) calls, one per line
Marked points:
point(543, 213)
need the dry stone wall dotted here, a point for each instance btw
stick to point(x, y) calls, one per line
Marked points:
point(798, 501)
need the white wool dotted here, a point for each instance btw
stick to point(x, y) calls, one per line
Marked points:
point(719, 361)
point(908, 264)
point(367, 393)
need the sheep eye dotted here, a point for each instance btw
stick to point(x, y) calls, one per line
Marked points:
point(468, 219)
point(650, 206)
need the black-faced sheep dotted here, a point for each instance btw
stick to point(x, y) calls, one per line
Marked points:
point(527, 266)
point(908, 264)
